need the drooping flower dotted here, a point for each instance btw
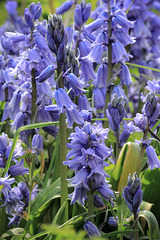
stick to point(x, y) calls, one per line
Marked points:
point(152, 157)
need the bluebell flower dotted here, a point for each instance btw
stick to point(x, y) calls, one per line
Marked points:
point(83, 103)
point(63, 100)
point(75, 83)
point(141, 121)
point(16, 217)
point(36, 10)
point(101, 77)
point(125, 75)
point(87, 156)
point(11, 7)
point(55, 33)
point(119, 53)
point(98, 202)
point(113, 222)
point(28, 18)
point(14, 200)
point(115, 112)
point(74, 116)
point(151, 107)
point(81, 14)
point(133, 194)
point(99, 97)
point(46, 73)
point(13, 38)
point(152, 157)
point(127, 130)
point(91, 229)
point(5, 187)
point(18, 169)
point(14, 103)
point(37, 143)
point(121, 35)
point(86, 115)
point(153, 86)
point(64, 7)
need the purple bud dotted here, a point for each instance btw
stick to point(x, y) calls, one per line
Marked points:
point(11, 7)
point(46, 73)
point(61, 53)
point(36, 10)
point(28, 18)
point(91, 229)
point(51, 43)
point(78, 16)
point(113, 222)
point(86, 12)
point(98, 202)
point(133, 193)
point(64, 7)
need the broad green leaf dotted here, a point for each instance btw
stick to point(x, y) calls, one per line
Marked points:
point(127, 163)
point(43, 198)
point(40, 205)
point(150, 186)
point(153, 227)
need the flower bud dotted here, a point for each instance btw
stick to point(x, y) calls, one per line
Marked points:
point(91, 229)
point(64, 7)
point(28, 18)
point(133, 193)
point(46, 73)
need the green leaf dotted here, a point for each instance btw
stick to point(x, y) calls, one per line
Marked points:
point(43, 198)
point(152, 224)
point(40, 205)
point(150, 186)
point(127, 163)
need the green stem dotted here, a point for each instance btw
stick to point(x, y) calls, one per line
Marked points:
point(117, 144)
point(143, 148)
point(7, 120)
point(63, 168)
point(91, 206)
point(30, 190)
point(135, 226)
point(110, 70)
point(63, 151)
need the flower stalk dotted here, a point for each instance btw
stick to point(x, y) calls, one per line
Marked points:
point(63, 151)
point(110, 70)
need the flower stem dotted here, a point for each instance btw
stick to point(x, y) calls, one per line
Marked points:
point(110, 70)
point(91, 206)
point(63, 151)
point(117, 144)
point(143, 148)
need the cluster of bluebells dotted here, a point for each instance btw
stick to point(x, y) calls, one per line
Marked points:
point(87, 159)
point(15, 198)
